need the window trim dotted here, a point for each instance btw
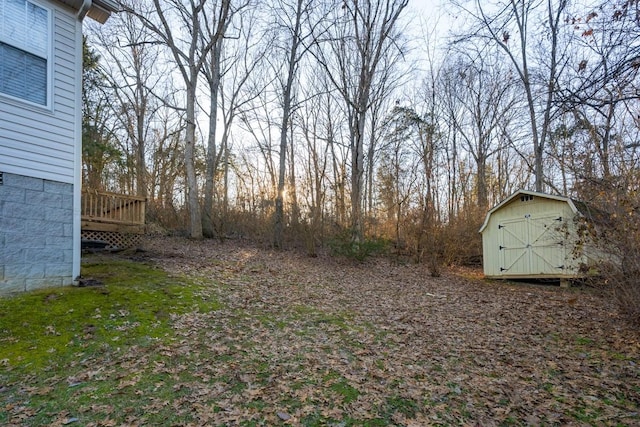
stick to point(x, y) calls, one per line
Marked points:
point(49, 60)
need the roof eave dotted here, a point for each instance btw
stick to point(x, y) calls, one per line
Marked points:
point(99, 10)
point(110, 5)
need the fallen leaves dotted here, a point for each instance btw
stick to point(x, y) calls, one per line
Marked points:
point(393, 327)
point(322, 341)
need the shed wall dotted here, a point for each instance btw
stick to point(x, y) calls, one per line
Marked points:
point(531, 238)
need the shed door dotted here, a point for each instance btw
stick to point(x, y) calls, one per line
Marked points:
point(532, 245)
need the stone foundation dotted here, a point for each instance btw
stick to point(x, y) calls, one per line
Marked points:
point(36, 233)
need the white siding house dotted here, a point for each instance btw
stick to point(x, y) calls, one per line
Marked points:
point(533, 235)
point(40, 139)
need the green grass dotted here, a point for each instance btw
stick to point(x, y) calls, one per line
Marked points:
point(134, 307)
point(72, 353)
point(584, 341)
point(341, 387)
point(401, 405)
point(585, 414)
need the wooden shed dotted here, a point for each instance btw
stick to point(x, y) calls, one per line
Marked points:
point(533, 235)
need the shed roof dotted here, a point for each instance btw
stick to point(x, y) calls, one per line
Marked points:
point(572, 203)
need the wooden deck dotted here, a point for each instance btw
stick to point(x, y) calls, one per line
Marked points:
point(114, 218)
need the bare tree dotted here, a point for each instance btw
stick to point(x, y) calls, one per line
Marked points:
point(352, 54)
point(243, 56)
point(137, 84)
point(484, 91)
point(311, 121)
point(257, 122)
point(510, 30)
point(397, 172)
point(601, 86)
point(215, 34)
point(181, 28)
point(166, 166)
point(295, 48)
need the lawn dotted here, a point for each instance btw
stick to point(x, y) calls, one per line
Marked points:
point(203, 333)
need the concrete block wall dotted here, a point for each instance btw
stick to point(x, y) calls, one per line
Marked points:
point(36, 233)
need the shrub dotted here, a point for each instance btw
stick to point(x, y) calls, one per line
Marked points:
point(620, 245)
point(460, 240)
point(344, 245)
point(616, 237)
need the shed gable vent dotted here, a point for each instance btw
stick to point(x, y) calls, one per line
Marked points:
point(526, 198)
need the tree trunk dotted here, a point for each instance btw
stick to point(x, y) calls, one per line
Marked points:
point(212, 154)
point(141, 166)
point(213, 77)
point(357, 173)
point(286, 116)
point(195, 217)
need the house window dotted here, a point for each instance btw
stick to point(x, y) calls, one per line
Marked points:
point(24, 50)
point(526, 198)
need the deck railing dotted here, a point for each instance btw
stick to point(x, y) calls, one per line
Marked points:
point(102, 206)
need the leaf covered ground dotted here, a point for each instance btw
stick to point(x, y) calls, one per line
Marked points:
point(278, 338)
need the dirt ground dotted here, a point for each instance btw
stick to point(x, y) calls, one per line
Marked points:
point(381, 341)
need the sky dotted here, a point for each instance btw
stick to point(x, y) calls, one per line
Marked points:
point(431, 21)
point(433, 12)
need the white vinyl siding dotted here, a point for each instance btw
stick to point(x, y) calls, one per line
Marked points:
point(41, 142)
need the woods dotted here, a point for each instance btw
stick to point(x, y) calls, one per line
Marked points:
point(298, 123)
